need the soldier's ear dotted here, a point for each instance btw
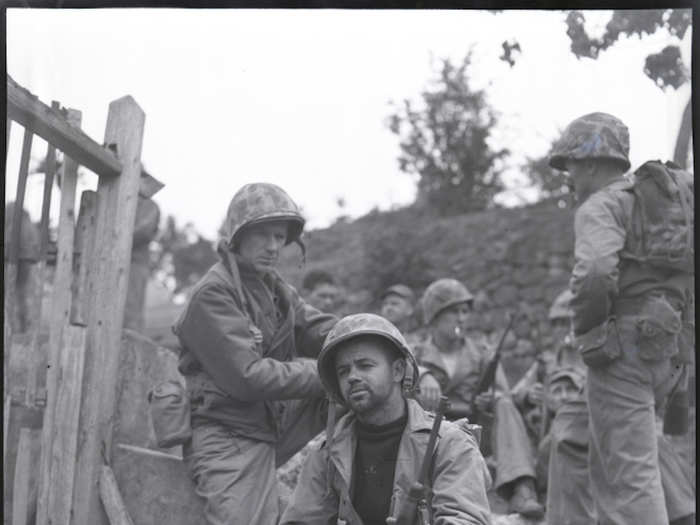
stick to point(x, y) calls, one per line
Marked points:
point(399, 369)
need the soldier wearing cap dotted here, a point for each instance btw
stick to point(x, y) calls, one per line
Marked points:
point(246, 339)
point(453, 366)
point(398, 306)
point(628, 311)
point(372, 455)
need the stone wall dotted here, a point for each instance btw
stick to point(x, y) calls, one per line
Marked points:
point(516, 259)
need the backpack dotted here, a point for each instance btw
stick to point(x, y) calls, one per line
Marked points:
point(662, 218)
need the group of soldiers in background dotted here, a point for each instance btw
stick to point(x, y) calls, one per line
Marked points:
point(266, 371)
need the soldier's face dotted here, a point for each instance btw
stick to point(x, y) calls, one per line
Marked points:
point(324, 297)
point(396, 309)
point(451, 323)
point(560, 392)
point(260, 244)
point(367, 375)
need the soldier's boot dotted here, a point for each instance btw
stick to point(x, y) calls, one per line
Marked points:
point(685, 520)
point(524, 499)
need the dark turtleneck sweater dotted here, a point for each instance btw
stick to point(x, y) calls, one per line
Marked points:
point(373, 470)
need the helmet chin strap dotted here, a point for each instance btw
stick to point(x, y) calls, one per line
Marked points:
point(302, 246)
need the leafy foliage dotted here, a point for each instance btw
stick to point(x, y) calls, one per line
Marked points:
point(664, 68)
point(445, 143)
point(182, 255)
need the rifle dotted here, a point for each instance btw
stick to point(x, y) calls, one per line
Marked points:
point(417, 501)
point(488, 378)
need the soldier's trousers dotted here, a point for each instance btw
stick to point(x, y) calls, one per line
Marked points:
point(236, 476)
point(623, 398)
point(511, 446)
point(569, 497)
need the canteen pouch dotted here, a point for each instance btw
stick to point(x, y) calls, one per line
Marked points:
point(600, 346)
point(658, 329)
point(170, 414)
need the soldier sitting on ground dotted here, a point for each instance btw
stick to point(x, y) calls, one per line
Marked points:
point(321, 291)
point(398, 306)
point(454, 365)
point(363, 473)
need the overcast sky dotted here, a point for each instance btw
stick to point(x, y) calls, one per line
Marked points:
point(299, 98)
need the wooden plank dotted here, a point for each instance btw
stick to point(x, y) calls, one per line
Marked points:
point(50, 124)
point(60, 312)
point(20, 491)
point(16, 231)
point(67, 412)
point(84, 246)
point(7, 136)
point(106, 300)
point(28, 110)
point(49, 173)
point(112, 499)
point(7, 407)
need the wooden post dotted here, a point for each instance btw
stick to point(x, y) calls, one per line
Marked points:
point(112, 499)
point(108, 283)
point(67, 413)
point(84, 245)
point(20, 492)
point(60, 310)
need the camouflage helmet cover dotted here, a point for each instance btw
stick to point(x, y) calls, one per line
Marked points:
point(442, 294)
point(260, 202)
point(561, 308)
point(573, 374)
point(353, 326)
point(592, 136)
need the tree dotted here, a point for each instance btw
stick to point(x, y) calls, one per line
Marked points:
point(445, 143)
point(665, 67)
point(182, 255)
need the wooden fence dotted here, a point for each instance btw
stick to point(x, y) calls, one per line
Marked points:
point(70, 380)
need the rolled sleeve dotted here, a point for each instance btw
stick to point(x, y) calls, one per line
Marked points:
point(600, 236)
point(218, 333)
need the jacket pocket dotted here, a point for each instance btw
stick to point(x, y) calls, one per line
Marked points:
point(170, 413)
point(658, 330)
point(600, 346)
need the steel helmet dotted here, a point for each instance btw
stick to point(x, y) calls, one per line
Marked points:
point(260, 202)
point(442, 294)
point(592, 136)
point(561, 308)
point(353, 326)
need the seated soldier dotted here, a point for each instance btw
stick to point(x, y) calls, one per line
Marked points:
point(362, 474)
point(398, 307)
point(453, 366)
point(321, 291)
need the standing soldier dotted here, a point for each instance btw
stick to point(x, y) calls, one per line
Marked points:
point(454, 365)
point(367, 469)
point(632, 290)
point(255, 402)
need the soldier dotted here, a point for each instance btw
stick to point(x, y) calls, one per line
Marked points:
point(398, 307)
point(632, 288)
point(454, 365)
point(255, 400)
point(363, 473)
point(321, 290)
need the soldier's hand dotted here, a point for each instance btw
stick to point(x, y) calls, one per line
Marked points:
point(535, 394)
point(430, 392)
point(484, 402)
